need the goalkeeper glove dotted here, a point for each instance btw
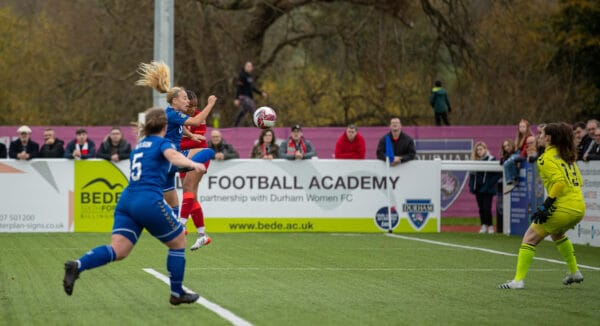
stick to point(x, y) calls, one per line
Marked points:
point(544, 211)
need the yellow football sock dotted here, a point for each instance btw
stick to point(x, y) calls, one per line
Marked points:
point(565, 247)
point(526, 253)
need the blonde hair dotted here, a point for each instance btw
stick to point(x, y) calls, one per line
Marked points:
point(474, 155)
point(157, 75)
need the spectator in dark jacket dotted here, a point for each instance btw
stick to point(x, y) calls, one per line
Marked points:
point(81, 147)
point(594, 153)
point(296, 147)
point(245, 90)
point(483, 186)
point(23, 148)
point(223, 150)
point(266, 147)
point(350, 145)
point(114, 148)
point(591, 126)
point(403, 147)
point(582, 139)
point(53, 147)
point(3, 152)
point(440, 104)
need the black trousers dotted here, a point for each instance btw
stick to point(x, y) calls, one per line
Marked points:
point(484, 202)
point(246, 106)
point(499, 212)
point(441, 116)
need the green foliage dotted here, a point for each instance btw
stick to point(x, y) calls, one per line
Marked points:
point(577, 35)
point(324, 63)
point(28, 66)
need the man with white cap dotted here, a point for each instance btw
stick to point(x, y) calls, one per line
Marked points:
point(23, 148)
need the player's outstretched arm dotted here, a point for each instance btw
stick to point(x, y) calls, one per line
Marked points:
point(201, 117)
point(181, 161)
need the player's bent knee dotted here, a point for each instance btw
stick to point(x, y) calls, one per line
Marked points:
point(177, 243)
point(121, 245)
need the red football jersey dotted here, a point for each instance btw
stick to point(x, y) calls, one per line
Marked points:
point(187, 143)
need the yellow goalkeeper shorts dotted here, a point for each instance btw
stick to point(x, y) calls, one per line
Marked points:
point(561, 220)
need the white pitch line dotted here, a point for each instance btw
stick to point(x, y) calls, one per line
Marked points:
point(484, 250)
point(224, 313)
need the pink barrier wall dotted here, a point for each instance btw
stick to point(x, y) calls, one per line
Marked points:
point(438, 140)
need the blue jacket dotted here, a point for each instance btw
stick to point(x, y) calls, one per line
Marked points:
point(484, 182)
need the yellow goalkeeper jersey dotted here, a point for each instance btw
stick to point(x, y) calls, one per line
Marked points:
point(554, 169)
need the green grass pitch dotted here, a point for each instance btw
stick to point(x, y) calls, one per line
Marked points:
point(298, 279)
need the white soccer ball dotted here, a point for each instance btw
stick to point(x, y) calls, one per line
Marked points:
point(264, 117)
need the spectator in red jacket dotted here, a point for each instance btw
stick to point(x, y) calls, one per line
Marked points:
point(350, 145)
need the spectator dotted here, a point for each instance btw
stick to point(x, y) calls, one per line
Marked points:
point(350, 145)
point(508, 148)
point(53, 147)
point(244, 95)
point(23, 148)
point(440, 104)
point(591, 126)
point(511, 165)
point(594, 153)
point(81, 147)
point(297, 147)
point(582, 139)
point(266, 147)
point(402, 147)
point(540, 145)
point(3, 153)
point(223, 150)
point(532, 149)
point(114, 147)
point(483, 186)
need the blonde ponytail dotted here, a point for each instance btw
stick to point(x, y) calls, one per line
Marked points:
point(155, 75)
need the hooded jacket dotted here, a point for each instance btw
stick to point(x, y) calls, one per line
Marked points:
point(439, 100)
point(346, 149)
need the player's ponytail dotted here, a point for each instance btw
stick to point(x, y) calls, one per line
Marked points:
point(157, 76)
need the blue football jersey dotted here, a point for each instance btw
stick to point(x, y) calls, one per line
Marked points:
point(175, 121)
point(148, 165)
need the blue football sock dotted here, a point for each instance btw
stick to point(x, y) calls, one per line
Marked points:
point(176, 267)
point(204, 155)
point(97, 257)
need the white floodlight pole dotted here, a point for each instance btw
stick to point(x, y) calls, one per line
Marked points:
point(164, 27)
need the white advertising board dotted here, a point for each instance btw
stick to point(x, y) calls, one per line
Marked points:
point(335, 195)
point(36, 196)
point(588, 230)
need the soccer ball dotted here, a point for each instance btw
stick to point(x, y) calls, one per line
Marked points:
point(264, 117)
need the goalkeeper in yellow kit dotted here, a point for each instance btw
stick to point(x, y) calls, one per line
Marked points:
point(563, 208)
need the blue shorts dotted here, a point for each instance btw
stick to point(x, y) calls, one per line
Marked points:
point(137, 210)
point(170, 185)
